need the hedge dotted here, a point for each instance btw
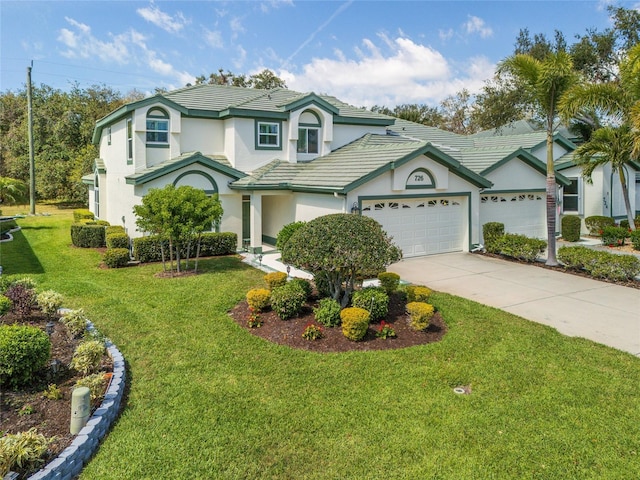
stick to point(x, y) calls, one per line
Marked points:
point(82, 214)
point(571, 228)
point(597, 223)
point(117, 240)
point(491, 233)
point(520, 246)
point(87, 236)
point(147, 249)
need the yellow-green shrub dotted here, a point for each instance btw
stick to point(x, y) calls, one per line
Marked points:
point(355, 322)
point(275, 279)
point(87, 357)
point(420, 314)
point(258, 298)
point(389, 281)
point(418, 293)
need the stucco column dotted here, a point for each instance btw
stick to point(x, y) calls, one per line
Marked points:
point(256, 223)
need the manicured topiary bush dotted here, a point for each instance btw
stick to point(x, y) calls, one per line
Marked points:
point(111, 229)
point(23, 351)
point(597, 223)
point(285, 234)
point(418, 293)
point(116, 257)
point(287, 301)
point(328, 312)
point(420, 315)
point(87, 236)
point(355, 322)
point(213, 244)
point(571, 228)
point(258, 299)
point(491, 232)
point(389, 281)
point(275, 279)
point(374, 300)
point(520, 246)
point(117, 240)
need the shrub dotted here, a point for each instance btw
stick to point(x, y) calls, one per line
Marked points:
point(312, 332)
point(117, 240)
point(418, 293)
point(287, 300)
point(614, 267)
point(420, 314)
point(322, 285)
point(87, 236)
point(491, 232)
point(575, 257)
point(147, 249)
point(5, 305)
point(7, 225)
point(116, 257)
point(23, 351)
point(23, 451)
point(635, 239)
point(520, 246)
point(625, 223)
point(275, 280)
point(304, 284)
point(328, 312)
point(614, 236)
point(258, 298)
point(218, 243)
point(87, 357)
point(597, 223)
point(374, 300)
point(49, 302)
point(571, 228)
point(110, 230)
point(75, 321)
point(96, 383)
point(285, 234)
point(389, 281)
point(82, 214)
point(355, 322)
point(23, 298)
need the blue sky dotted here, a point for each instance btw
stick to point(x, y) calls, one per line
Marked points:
point(363, 52)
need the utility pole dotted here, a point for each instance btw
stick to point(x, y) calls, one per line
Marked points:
point(32, 162)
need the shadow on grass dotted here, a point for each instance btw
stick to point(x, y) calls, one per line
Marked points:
point(18, 258)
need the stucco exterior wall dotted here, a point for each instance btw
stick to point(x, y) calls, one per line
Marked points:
point(516, 175)
point(240, 145)
point(202, 135)
point(277, 211)
point(343, 134)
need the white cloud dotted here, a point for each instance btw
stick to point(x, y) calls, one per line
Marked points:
point(274, 4)
point(236, 27)
point(402, 71)
point(445, 34)
point(239, 59)
point(213, 38)
point(477, 25)
point(162, 19)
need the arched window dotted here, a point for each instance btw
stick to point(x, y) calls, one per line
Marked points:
point(309, 132)
point(157, 127)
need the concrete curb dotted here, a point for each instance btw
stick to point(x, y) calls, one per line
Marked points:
point(72, 459)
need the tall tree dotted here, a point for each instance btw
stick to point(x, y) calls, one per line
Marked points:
point(545, 82)
point(266, 80)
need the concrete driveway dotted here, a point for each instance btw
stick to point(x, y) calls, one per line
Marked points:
point(575, 306)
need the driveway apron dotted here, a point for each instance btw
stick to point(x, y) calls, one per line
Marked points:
point(574, 305)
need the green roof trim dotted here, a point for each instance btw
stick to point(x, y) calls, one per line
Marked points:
point(529, 159)
point(88, 179)
point(99, 165)
point(216, 163)
point(311, 99)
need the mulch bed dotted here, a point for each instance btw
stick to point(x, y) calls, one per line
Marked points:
point(50, 417)
point(289, 332)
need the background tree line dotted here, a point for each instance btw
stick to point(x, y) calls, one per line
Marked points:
point(64, 120)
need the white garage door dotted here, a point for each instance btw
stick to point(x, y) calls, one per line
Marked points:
point(523, 213)
point(421, 226)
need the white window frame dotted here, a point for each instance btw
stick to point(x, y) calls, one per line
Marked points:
point(260, 135)
point(577, 195)
point(129, 140)
point(157, 124)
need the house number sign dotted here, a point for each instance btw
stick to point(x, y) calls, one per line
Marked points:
point(420, 179)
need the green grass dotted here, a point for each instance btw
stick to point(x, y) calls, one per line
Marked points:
point(210, 400)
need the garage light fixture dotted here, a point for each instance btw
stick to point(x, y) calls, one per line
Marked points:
point(355, 209)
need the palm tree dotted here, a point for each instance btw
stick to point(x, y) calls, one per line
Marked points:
point(11, 190)
point(544, 82)
point(619, 101)
point(611, 145)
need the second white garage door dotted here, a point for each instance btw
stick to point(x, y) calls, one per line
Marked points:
point(522, 213)
point(421, 226)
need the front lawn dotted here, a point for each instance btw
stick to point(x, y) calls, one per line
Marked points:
point(210, 400)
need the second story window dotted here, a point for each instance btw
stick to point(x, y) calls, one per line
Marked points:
point(268, 135)
point(129, 141)
point(309, 133)
point(157, 127)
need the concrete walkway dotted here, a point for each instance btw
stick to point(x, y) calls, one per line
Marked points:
point(575, 306)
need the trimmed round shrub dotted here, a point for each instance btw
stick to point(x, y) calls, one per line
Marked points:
point(287, 300)
point(23, 351)
point(258, 298)
point(116, 257)
point(304, 284)
point(5, 305)
point(374, 300)
point(420, 314)
point(275, 280)
point(75, 321)
point(355, 322)
point(389, 281)
point(285, 234)
point(49, 302)
point(117, 240)
point(87, 357)
point(571, 228)
point(491, 232)
point(418, 293)
point(328, 312)
point(597, 223)
point(23, 298)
